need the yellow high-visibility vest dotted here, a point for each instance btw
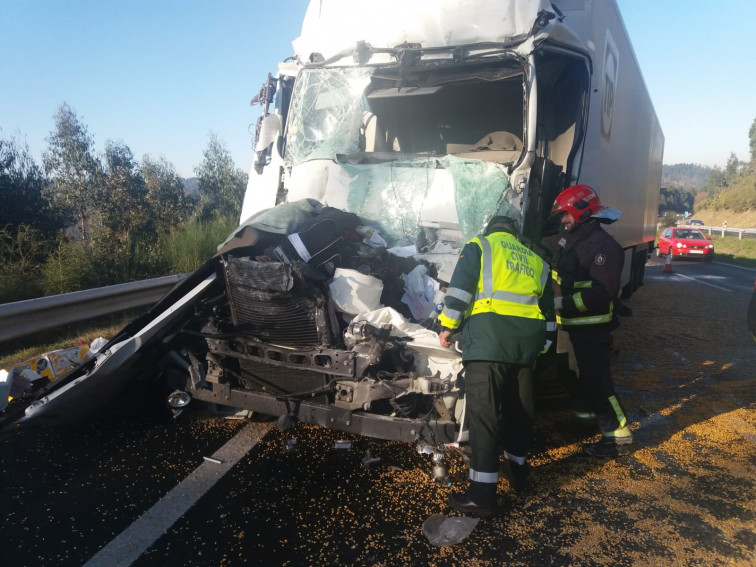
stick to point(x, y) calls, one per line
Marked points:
point(512, 278)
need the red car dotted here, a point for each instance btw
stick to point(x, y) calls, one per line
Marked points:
point(685, 242)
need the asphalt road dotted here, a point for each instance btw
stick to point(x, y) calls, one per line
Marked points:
point(133, 486)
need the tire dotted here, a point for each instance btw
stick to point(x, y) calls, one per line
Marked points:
point(642, 258)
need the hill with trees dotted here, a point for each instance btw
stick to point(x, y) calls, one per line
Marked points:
point(690, 177)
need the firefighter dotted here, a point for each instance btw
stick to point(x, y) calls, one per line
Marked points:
point(586, 280)
point(495, 289)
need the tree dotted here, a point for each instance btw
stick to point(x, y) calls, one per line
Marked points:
point(675, 199)
point(221, 184)
point(123, 227)
point(22, 185)
point(165, 193)
point(732, 167)
point(75, 172)
point(752, 141)
point(123, 203)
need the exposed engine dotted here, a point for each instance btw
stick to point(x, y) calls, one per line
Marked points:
point(277, 335)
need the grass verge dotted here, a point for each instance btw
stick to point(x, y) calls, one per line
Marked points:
point(16, 351)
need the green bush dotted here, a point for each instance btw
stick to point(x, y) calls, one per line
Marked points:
point(669, 219)
point(193, 243)
point(68, 268)
point(21, 249)
point(18, 282)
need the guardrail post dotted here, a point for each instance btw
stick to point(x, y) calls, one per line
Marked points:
point(740, 235)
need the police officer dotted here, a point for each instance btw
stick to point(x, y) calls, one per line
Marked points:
point(586, 280)
point(495, 290)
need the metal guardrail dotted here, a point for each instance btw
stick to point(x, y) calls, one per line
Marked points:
point(722, 230)
point(25, 318)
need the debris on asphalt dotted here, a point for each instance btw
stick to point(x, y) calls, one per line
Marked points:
point(448, 530)
point(369, 460)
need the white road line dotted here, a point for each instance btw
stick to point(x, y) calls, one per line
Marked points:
point(734, 266)
point(134, 540)
point(701, 282)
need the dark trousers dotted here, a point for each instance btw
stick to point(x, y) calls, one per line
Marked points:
point(498, 407)
point(594, 387)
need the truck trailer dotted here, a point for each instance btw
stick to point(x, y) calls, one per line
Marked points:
point(389, 138)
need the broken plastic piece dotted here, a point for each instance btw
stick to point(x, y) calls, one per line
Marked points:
point(342, 445)
point(213, 460)
point(443, 530)
point(354, 292)
point(369, 460)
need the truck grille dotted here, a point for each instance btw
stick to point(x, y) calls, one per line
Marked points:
point(274, 303)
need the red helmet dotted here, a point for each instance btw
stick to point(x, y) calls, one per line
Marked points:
point(579, 200)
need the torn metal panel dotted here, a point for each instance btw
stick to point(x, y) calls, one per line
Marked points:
point(332, 27)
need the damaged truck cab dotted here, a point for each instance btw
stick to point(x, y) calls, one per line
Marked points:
point(389, 139)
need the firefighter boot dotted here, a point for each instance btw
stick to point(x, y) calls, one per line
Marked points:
point(609, 447)
point(516, 474)
point(479, 500)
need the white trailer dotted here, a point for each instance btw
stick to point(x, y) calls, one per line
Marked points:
point(496, 105)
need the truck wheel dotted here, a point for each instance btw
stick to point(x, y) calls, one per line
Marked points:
point(632, 285)
point(642, 258)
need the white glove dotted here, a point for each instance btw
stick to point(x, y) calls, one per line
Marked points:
point(558, 303)
point(546, 347)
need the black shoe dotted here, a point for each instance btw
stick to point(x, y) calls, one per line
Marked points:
point(517, 475)
point(609, 447)
point(460, 502)
point(622, 310)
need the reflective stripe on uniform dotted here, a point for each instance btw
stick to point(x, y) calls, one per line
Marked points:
point(578, 299)
point(544, 275)
point(514, 458)
point(487, 267)
point(621, 433)
point(594, 320)
point(450, 318)
point(621, 419)
point(583, 284)
point(509, 296)
point(486, 477)
point(452, 314)
point(460, 294)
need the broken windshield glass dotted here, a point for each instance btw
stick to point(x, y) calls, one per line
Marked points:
point(399, 196)
point(326, 111)
point(360, 113)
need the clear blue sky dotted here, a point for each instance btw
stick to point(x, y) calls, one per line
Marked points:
point(161, 75)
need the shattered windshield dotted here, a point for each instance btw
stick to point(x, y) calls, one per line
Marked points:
point(406, 155)
point(362, 113)
point(400, 197)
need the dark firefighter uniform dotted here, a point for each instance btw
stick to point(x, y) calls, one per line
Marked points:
point(495, 290)
point(586, 275)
